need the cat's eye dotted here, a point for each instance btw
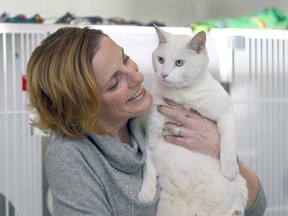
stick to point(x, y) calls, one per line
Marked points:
point(160, 60)
point(179, 62)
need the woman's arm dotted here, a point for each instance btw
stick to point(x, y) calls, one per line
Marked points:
point(256, 203)
point(75, 187)
point(252, 183)
point(201, 134)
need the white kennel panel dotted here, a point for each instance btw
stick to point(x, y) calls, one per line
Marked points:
point(258, 63)
point(20, 150)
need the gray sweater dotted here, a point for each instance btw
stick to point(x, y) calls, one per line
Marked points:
point(100, 176)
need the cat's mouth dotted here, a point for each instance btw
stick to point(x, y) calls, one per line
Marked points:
point(166, 81)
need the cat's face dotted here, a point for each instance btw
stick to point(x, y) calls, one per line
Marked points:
point(179, 59)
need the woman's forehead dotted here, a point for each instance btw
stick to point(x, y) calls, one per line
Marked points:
point(107, 60)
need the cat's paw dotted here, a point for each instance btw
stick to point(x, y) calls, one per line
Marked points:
point(229, 169)
point(147, 194)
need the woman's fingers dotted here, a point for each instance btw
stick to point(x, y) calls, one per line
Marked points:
point(174, 114)
point(191, 140)
point(183, 131)
point(188, 112)
point(191, 130)
point(176, 106)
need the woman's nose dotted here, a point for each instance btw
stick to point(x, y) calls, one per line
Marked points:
point(133, 65)
point(133, 75)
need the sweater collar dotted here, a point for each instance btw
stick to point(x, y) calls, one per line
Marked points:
point(122, 156)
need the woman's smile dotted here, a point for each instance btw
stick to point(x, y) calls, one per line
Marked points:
point(138, 94)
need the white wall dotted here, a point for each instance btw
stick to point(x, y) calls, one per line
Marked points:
point(171, 12)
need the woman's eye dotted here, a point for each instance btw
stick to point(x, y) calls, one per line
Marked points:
point(160, 60)
point(179, 63)
point(126, 58)
point(116, 83)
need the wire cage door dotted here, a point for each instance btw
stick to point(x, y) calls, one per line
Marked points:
point(260, 93)
point(20, 149)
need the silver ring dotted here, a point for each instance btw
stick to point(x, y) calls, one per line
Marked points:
point(176, 131)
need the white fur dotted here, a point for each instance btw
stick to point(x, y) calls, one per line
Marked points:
point(192, 183)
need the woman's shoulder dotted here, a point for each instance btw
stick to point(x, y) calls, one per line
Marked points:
point(62, 147)
point(69, 156)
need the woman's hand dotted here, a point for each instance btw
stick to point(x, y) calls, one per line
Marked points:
point(197, 133)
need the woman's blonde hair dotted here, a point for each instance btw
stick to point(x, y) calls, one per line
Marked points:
point(61, 83)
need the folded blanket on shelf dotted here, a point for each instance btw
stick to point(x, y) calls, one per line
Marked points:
point(270, 18)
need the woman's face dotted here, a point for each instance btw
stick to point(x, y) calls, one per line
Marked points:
point(120, 84)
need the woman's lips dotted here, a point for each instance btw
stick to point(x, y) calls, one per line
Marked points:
point(138, 93)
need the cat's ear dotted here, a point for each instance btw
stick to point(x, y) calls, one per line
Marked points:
point(162, 35)
point(198, 42)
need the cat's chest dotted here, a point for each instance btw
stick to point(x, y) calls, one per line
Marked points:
point(210, 101)
point(188, 97)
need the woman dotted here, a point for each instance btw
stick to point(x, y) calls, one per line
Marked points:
point(88, 93)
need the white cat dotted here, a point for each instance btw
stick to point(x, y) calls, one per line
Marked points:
point(192, 184)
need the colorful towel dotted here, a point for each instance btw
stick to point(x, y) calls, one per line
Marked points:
point(270, 18)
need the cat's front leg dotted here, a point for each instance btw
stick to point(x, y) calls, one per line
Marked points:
point(149, 184)
point(228, 155)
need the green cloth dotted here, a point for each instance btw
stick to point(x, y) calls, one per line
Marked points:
point(270, 18)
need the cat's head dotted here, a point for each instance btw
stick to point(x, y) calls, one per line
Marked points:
point(179, 59)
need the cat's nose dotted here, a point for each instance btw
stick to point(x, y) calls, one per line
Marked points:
point(163, 74)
